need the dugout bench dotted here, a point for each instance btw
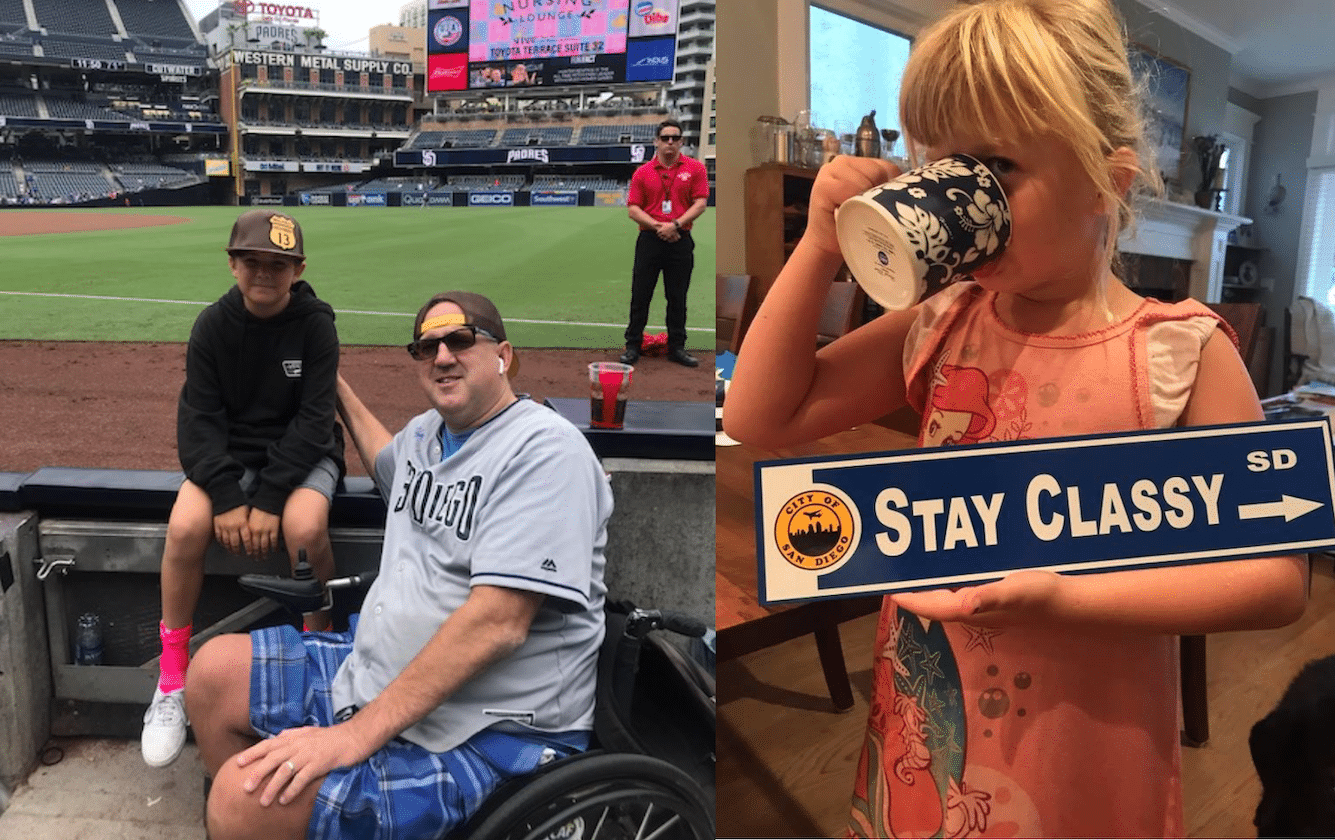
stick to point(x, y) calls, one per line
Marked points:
point(90, 540)
point(96, 546)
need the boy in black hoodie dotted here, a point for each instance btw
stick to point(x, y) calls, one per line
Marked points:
point(257, 440)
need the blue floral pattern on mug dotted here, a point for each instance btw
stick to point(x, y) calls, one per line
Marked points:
point(953, 214)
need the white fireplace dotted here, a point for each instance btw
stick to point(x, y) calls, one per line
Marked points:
point(1185, 232)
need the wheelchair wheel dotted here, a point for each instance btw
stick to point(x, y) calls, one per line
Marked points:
point(607, 796)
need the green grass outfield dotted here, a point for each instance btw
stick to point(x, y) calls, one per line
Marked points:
point(559, 275)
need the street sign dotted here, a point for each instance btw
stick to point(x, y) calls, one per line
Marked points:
point(926, 518)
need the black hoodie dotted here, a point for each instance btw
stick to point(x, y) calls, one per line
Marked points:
point(259, 393)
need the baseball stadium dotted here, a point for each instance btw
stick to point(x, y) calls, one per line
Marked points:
point(455, 152)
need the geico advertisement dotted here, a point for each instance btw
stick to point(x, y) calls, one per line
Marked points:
point(491, 199)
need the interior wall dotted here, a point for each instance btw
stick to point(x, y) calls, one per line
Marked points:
point(1282, 147)
point(747, 74)
point(1210, 67)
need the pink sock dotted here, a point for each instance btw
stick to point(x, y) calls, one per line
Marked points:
point(175, 657)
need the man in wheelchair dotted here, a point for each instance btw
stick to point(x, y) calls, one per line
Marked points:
point(474, 657)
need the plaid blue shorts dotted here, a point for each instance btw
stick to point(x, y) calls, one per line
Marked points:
point(403, 790)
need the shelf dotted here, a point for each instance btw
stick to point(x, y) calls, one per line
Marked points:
point(789, 169)
point(776, 200)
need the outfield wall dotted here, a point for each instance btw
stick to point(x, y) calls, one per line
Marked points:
point(445, 198)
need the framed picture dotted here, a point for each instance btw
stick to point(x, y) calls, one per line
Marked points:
point(1168, 88)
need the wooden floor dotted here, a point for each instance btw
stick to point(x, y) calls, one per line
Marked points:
point(786, 758)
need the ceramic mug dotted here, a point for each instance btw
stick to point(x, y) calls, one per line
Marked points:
point(910, 237)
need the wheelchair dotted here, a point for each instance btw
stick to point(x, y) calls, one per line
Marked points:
point(649, 772)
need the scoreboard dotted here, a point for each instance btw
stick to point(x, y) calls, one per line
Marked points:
point(478, 44)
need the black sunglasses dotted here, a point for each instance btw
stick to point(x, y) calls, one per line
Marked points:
point(670, 138)
point(425, 349)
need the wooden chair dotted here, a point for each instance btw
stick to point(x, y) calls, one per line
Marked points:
point(734, 306)
point(842, 312)
point(1246, 320)
point(1254, 338)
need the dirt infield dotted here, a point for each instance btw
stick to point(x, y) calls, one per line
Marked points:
point(113, 405)
point(29, 222)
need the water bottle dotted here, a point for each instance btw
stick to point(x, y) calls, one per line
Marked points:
point(88, 640)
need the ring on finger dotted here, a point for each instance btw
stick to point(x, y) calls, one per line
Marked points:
point(290, 766)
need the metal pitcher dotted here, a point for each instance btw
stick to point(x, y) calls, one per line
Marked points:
point(867, 141)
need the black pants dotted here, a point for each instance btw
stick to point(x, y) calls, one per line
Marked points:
point(675, 260)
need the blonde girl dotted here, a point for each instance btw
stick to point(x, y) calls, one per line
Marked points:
point(1041, 704)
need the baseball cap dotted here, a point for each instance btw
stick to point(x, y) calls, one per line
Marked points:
point(478, 310)
point(268, 231)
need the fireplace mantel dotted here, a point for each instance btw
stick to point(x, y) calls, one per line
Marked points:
point(1185, 232)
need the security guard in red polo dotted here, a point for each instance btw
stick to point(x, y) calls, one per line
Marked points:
point(666, 195)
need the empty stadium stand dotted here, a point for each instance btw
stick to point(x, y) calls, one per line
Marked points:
point(13, 11)
point(9, 186)
point(75, 18)
point(537, 136)
point(16, 45)
point(154, 18)
point(70, 109)
point(74, 46)
point(13, 105)
point(399, 183)
point(460, 139)
point(135, 177)
point(599, 135)
point(575, 182)
point(61, 182)
point(485, 182)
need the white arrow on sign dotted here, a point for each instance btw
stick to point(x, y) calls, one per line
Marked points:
point(1289, 507)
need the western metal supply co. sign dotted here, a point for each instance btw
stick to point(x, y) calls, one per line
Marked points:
point(872, 523)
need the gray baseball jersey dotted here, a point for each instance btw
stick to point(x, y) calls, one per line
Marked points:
point(523, 504)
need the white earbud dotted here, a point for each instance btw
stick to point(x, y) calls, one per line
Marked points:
point(500, 365)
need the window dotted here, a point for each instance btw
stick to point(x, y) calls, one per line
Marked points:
point(840, 98)
point(1316, 267)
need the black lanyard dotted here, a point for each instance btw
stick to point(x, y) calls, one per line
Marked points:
point(666, 177)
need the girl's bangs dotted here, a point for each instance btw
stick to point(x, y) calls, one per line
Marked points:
point(977, 83)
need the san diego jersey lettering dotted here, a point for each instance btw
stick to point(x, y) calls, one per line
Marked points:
point(428, 501)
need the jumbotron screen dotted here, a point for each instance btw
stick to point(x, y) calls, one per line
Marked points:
point(478, 44)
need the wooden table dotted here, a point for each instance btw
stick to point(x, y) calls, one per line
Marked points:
point(744, 625)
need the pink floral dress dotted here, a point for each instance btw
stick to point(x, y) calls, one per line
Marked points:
point(1035, 731)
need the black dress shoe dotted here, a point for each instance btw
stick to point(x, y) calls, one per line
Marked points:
point(631, 356)
point(680, 356)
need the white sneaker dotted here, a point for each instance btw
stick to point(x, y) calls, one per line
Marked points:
point(164, 728)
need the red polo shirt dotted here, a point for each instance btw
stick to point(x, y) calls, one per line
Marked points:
point(684, 182)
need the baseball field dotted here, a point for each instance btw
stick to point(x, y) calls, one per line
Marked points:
point(96, 306)
point(560, 275)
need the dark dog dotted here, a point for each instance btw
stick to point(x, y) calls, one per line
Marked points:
point(1293, 749)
